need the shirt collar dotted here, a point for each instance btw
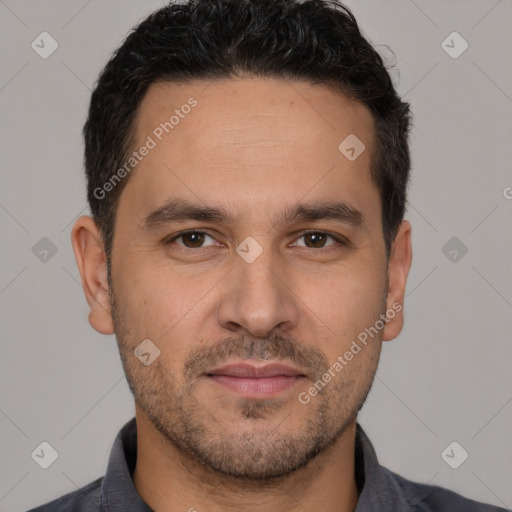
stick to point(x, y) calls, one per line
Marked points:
point(118, 493)
point(380, 490)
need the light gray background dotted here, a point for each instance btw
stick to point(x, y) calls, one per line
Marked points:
point(446, 378)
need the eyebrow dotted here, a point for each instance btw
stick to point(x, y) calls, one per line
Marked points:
point(176, 210)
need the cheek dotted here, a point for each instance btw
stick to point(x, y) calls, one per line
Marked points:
point(144, 295)
point(346, 302)
point(160, 304)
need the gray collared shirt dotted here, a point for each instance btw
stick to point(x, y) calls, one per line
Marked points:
point(381, 490)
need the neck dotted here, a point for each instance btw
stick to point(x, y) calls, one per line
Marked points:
point(171, 480)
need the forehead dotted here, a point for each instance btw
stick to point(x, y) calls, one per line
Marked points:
point(252, 110)
point(250, 139)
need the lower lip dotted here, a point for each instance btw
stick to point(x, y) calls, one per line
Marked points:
point(257, 387)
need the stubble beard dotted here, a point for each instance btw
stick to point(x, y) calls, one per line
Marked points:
point(254, 455)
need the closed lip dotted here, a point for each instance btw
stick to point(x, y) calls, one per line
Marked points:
point(251, 371)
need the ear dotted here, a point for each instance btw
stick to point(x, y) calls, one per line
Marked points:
point(92, 263)
point(398, 269)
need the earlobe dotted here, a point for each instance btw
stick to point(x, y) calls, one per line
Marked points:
point(92, 264)
point(398, 269)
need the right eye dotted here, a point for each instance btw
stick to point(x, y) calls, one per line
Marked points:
point(193, 237)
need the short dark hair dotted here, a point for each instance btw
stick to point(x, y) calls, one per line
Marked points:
point(317, 41)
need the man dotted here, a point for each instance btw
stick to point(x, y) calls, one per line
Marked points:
point(247, 166)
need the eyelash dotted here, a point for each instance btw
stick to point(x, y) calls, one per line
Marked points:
point(340, 240)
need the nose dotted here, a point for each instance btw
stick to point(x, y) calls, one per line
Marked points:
point(258, 297)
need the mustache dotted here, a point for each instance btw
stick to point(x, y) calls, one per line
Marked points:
point(276, 347)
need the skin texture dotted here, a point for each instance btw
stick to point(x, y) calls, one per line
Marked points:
point(256, 147)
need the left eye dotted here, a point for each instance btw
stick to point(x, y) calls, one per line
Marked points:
point(194, 239)
point(318, 237)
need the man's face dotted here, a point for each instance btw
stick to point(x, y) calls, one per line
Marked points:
point(256, 148)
